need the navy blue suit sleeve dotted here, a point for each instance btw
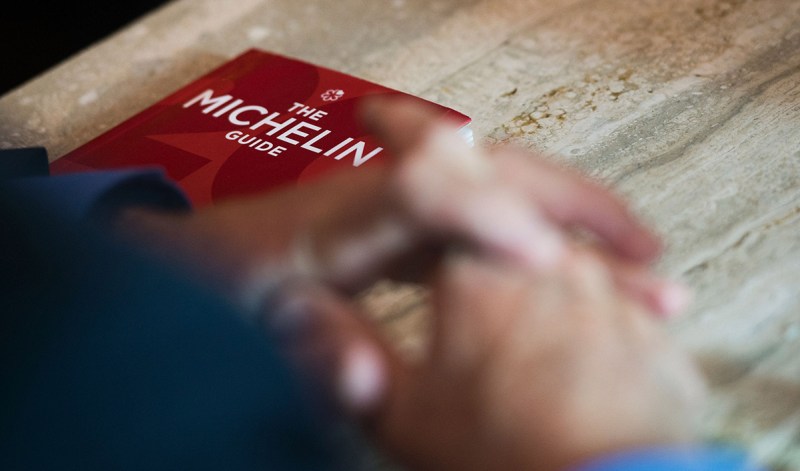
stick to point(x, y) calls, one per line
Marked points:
point(93, 195)
point(24, 162)
point(110, 361)
point(100, 194)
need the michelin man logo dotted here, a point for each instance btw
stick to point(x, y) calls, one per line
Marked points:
point(332, 95)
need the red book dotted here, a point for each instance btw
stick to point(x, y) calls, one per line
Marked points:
point(257, 122)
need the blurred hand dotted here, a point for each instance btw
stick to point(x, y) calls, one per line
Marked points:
point(544, 353)
point(396, 220)
point(525, 370)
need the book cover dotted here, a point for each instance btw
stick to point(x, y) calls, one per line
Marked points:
point(257, 122)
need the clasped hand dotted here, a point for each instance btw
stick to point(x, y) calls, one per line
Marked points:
point(544, 352)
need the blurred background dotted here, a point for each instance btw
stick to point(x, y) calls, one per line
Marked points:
point(35, 36)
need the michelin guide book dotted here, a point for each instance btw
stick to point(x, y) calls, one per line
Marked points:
point(257, 122)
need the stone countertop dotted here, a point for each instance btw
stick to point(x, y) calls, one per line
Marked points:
point(689, 108)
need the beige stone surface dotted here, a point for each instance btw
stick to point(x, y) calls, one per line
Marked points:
point(689, 108)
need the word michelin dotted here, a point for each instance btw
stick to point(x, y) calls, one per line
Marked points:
point(291, 131)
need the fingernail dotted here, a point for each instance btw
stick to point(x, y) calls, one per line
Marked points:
point(673, 298)
point(450, 151)
point(362, 380)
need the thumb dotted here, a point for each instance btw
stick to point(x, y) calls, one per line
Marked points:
point(403, 124)
point(329, 340)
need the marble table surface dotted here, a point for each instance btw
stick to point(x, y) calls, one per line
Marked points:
point(688, 108)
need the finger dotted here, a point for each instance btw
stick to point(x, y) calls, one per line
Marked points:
point(662, 297)
point(331, 342)
point(657, 294)
point(572, 199)
point(451, 191)
point(402, 124)
point(421, 137)
point(489, 219)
